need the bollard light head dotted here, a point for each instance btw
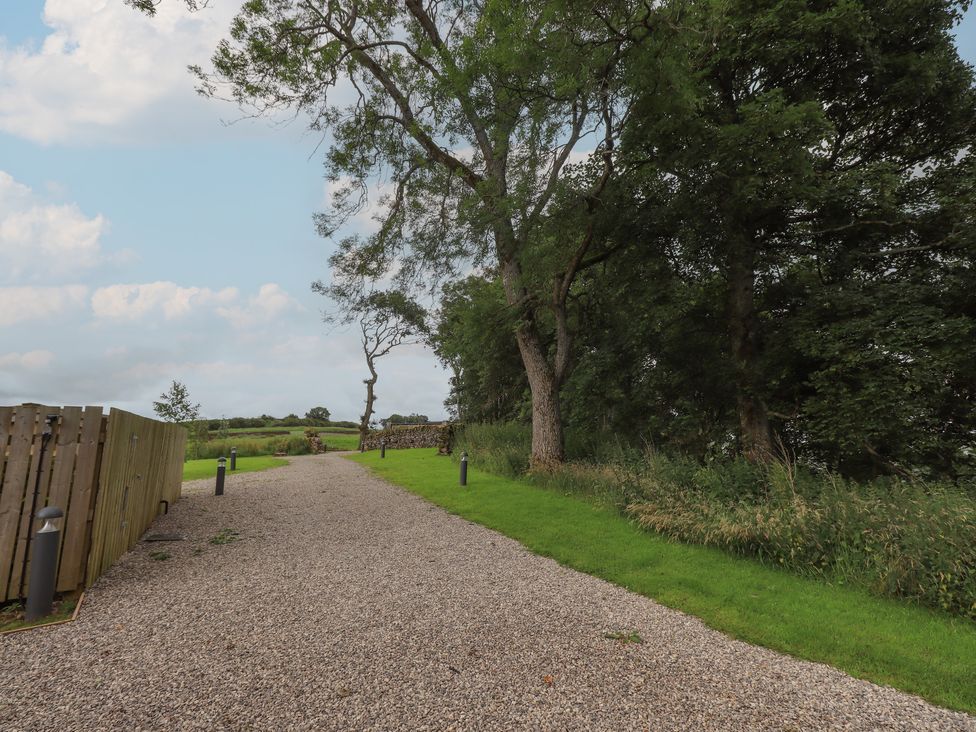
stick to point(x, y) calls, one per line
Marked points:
point(48, 514)
point(464, 456)
point(221, 461)
point(233, 451)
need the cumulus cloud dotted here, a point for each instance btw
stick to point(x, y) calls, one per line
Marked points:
point(270, 302)
point(39, 238)
point(28, 360)
point(132, 302)
point(106, 72)
point(18, 304)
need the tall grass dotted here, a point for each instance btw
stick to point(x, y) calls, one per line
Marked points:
point(288, 444)
point(911, 540)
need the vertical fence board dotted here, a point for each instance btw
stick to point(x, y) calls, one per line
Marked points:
point(81, 502)
point(12, 496)
point(61, 431)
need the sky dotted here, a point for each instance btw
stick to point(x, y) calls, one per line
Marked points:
point(150, 235)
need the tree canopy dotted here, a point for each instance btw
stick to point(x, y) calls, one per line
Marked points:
point(723, 225)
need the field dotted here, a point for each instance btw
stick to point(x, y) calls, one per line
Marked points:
point(290, 440)
point(207, 468)
point(886, 641)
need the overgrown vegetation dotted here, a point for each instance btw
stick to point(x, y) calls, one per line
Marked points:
point(889, 642)
point(909, 539)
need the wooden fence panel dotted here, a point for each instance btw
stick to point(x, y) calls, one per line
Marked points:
point(142, 464)
point(109, 475)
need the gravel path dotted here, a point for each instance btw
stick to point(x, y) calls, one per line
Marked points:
point(348, 604)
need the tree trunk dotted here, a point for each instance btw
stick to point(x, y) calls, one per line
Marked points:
point(547, 423)
point(755, 435)
point(370, 399)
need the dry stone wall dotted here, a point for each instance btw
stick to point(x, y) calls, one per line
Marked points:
point(402, 437)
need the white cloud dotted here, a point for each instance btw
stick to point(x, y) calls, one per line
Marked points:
point(18, 304)
point(39, 238)
point(270, 302)
point(28, 360)
point(107, 72)
point(131, 302)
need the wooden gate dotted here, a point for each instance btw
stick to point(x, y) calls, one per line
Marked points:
point(110, 475)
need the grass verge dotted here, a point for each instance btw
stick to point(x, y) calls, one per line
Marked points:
point(12, 615)
point(885, 641)
point(207, 468)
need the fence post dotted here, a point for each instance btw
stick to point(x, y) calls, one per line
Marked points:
point(221, 469)
point(233, 458)
point(464, 468)
point(44, 566)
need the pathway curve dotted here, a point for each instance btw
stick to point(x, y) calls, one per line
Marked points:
point(349, 604)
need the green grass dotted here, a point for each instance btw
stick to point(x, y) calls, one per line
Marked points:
point(11, 616)
point(340, 441)
point(284, 430)
point(207, 468)
point(886, 641)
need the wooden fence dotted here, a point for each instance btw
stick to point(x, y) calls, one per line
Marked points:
point(110, 474)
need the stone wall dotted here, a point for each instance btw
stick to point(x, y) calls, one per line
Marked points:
point(402, 437)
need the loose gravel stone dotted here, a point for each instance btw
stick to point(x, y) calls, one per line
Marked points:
point(344, 603)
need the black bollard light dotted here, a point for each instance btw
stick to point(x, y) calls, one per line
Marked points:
point(382, 448)
point(221, 470)
point(44, 566)
point(464, 468)
point(233, 458)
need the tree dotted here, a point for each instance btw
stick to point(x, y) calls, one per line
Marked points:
point(808, 136)
point(386, 319)
point(474, 337)
point(175, 406)
point(318, 414)
point(474, 111)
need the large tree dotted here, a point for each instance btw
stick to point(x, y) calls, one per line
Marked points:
point(805, 134)
point(474, 113)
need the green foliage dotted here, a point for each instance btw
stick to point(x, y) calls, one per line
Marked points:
point(175, 405)
point(888, 642)
point(290, 444)
point(318, 414)
point(408, 419)
point(225, 536)
point(475, 338)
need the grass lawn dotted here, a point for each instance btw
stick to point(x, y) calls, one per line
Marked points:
point(340, 441)
point(207, 468)
point(888, 642)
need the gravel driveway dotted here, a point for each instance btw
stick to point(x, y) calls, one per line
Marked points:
point(348, 604)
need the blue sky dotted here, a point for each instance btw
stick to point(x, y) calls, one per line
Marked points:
point(143, 240)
